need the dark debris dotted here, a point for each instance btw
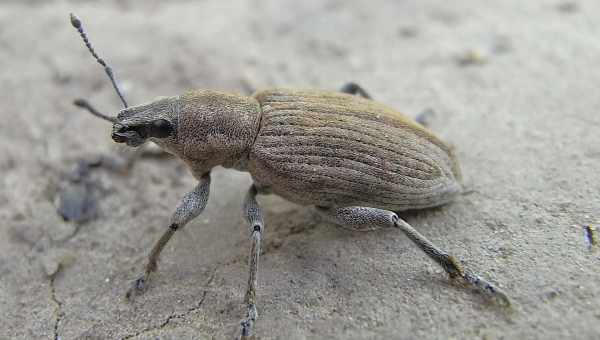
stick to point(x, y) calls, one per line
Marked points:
point(76, 198)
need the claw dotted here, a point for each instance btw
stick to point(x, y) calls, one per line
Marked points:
point(248, 323)
point(137, 288)
point(247, 329)
point(140, 284)
point(487, 288)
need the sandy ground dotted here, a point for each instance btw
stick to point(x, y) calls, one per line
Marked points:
point(512, 84)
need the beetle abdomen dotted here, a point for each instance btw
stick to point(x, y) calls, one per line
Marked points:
point(334, 149)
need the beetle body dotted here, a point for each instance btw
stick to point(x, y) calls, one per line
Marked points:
point(311, 147)
point(356, 160)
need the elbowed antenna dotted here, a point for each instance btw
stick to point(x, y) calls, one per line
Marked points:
point(77, 24)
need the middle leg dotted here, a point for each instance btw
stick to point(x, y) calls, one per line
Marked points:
point(253, 215)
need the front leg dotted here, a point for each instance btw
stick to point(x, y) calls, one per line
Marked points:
point(362, 218)
point(253, 215)
point(190, 207)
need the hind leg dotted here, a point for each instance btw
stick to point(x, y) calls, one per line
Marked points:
point(362, 218)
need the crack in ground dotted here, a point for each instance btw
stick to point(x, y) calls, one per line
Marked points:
point(175, 315)
point(58, 310)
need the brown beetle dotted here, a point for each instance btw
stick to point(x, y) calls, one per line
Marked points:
point(356, 160)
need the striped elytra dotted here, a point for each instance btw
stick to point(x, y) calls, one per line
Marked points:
point(334, 149)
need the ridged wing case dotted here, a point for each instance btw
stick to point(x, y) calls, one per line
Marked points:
point(334, 149)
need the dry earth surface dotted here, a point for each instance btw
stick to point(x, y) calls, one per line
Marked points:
point(512, 84)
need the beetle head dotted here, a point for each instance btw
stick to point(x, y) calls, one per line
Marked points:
point(133, 125)
point(155, 121)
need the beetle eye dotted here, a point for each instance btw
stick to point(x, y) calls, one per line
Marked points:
point(160, 128)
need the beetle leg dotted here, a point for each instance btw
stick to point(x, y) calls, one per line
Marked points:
point(362, 217)
point(253, 215)
point(354, 88)
point(191, 206)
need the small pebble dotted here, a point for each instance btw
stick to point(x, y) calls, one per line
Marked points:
point(568, 7)
point(471, 58)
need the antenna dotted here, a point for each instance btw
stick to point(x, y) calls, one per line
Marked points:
point(82, 103)
point(77, 24)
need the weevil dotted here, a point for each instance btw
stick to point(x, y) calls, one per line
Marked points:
point(355, 160)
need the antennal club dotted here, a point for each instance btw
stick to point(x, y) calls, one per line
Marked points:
point(77, 24)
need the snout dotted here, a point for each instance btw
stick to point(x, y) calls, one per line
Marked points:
point(120, 133)
point(124, 134)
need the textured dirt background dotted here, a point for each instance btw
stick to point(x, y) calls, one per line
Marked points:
point(512, 84)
